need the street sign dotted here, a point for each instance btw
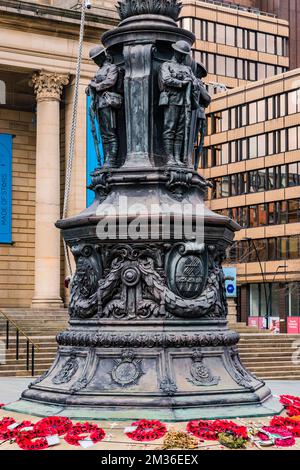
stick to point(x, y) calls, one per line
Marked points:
point(230, 282)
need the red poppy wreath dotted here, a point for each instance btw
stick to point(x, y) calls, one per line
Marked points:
point(54, 425)
point(80, 432)
point(147, 430)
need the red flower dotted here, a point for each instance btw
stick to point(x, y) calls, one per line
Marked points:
point(147, 430)
point(79, 432)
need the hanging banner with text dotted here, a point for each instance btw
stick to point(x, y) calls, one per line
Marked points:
point(92, 134)
point(6, 141)
point(230, 282)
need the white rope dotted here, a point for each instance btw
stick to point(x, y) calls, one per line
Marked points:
point(73, 129)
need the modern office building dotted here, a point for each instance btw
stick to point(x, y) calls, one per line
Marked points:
point(252, 159)
point(285, 9)
point(236, 45)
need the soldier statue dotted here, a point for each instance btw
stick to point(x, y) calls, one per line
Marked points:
point(105, 101)
point(204, 99)
point(176, 81)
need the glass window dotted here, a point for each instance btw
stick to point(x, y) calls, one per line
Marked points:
point(261, 111)
point(270, 44)
point(240, 38)
point(243, 114)
point(282, 213)
point(224, 155)
point(261, 71)
point(252, 41)
point(243, 155)
point(198, 26)
point(221, 65)
point(271, 172)
point(2, 92)
point(261, 145)
point(187, 23)
point(211, 63)
point(225, 121)
point(271, 143)
point(253, 147)
point(254, 300)
point(270, 71)
point(233, 153)
point(272, 249)
point(225, 186)
point(283, 249)
point(253, 217)
point(262, 214)
point(292, 102)
point(211, 32)
point(233, 123)
point(253, 113)
point(283, 176)
point(220, 38)
point(272, 213)
point(261, 42)
point(294, 178)
point(274, 301)
point(240, 69)
point(230, 36)
point(271, 108)
point(279, 46)
point(292, 138)
point(252, 71)
point(293, 211)
point(283, 105)
point(230, 67)
point(283, 141)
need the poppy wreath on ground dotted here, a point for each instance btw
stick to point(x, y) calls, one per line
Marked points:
point(6, 433)
point(147, 430)
point(202, 429)
point(224, 426)
point(53, 425)
point(29, 440)
point(79, 432)
point(289, 423)
point(209, 430)
point(291, 403)
point(289, 440)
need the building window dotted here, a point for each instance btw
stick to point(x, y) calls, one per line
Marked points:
point(2, 92)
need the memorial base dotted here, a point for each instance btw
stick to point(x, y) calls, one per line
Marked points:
point(169, 374)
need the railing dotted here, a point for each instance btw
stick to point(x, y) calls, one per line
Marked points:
point(31, 347)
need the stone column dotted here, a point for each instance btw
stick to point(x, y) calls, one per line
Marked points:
point(48, 88)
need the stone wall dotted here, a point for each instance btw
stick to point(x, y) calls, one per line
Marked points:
point(17, 261)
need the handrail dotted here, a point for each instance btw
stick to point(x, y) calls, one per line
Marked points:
point(19, 329)
point(29, 341)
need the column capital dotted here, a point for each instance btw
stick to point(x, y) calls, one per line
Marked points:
point(48, 86)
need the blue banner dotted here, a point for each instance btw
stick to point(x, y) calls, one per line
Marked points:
point(91, 157)
point(230, 282)
point(6, 141)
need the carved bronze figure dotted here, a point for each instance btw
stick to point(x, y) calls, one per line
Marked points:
point(105, 102)
point(204, 99)
point(148, 333)
point(176, 81)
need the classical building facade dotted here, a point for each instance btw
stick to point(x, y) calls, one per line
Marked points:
point(39, 45)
